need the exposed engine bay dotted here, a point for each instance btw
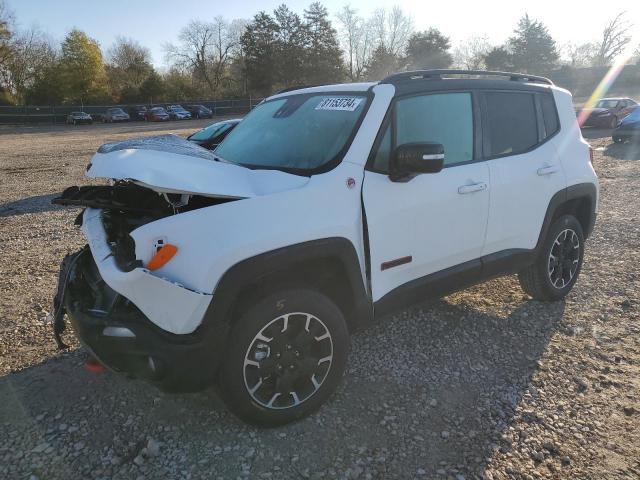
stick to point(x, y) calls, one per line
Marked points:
point(127, 206)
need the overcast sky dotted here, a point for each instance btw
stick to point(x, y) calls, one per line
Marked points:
point(155, 22)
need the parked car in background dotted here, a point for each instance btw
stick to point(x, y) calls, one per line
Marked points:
point(210, 137)
point(156, 114)
point(199, 111)
point(629, 128)
point(608, 112)
point(115, 114)
point(177, 112)
point(74, 118)
point(138, 112)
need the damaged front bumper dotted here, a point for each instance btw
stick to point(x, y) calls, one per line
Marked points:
point(120, 336)
point(162, 301)
point(135, 322)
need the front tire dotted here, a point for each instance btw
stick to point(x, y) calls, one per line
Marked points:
point(286, 356)
point(558, 265)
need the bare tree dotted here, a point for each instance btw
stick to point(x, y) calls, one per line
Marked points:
point(470, 53)
point(357, 41)
point(6, 23)
point(393, 29)
point(131, 59)
point(206, 49)
point(615, 38)
point(579, 55)
point(32, 54)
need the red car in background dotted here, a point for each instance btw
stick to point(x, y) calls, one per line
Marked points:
point(156, 114)
point(608, 112)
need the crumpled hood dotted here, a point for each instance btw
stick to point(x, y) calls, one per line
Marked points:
point(170, 163)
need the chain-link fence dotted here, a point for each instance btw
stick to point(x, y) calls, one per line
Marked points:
point(53, 114)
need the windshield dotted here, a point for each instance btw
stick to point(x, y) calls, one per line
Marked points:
point(116, 110)
point(298, 132)
point(607, 104)
point(158, 110)
point(211, 131)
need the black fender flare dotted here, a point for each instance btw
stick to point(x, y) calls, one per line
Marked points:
point(253, 269)
point(572, 192)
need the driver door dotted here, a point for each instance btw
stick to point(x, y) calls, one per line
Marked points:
point(434, 222)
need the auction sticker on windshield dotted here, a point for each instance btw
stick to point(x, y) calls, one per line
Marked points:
point(348, 104)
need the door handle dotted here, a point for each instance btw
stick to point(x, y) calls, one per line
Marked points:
point(474, 187)
point(549, 170)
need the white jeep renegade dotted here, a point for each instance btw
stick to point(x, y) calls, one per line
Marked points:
point(325, 208)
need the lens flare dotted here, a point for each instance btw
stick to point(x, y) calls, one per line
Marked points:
point(603, 87)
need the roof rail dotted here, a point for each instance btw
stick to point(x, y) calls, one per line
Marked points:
point(438, 75)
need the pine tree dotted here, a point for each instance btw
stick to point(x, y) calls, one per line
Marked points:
point(259, 45)
point(532, 48)
point(429, 49)
point(152, 88)
point(290, 47)
point(324, 57)
point(381, 64)
point(499, 58)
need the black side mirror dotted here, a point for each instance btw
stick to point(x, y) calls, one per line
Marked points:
point(411, 159)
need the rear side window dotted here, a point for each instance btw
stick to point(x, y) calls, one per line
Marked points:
point(549, 115)
point(512, 123)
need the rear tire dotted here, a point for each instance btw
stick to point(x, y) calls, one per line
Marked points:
point(286, 357)
point(558, 265)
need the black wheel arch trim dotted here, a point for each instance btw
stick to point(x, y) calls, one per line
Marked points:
point(253, 269)
point(572, 192)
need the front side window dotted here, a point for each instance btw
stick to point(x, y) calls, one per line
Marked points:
point(442, 118)
point(511, 123)
point(607, 104)
point(445, 118)
point(296, 133)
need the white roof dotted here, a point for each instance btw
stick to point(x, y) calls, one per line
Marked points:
point(338, 87)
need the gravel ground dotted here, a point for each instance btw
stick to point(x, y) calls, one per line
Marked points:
point(485, 383)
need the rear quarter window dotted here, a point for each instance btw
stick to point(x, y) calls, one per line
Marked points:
point(549, 115)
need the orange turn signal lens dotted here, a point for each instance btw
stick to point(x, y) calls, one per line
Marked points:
point(162, 257)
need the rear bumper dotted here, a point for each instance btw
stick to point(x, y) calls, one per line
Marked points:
point(119, 335)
